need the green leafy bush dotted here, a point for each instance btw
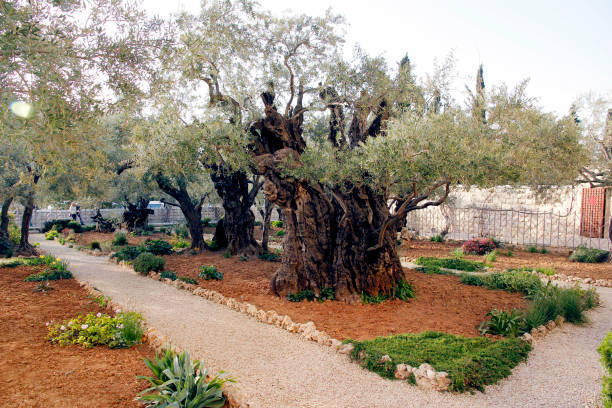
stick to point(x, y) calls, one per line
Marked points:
point(605, 352)
point(180, 244)
point(147, 262)
point(181, 231)
point(60, 225)
point(511, 281)
point(437, 238)
point(168, 275)
point(589, 255)
point(472, 363)
point(457, 253)
point(430, 264)
point(503, 323)
point(180, 383)
point(209, 272)
point(552, 301)
point(55, 269)
point(490, 257)
point(270, 257)
point(14, 234)
point(51, 235)
point(123, 330)
point(308, 295)
point(532, 249)
point(276, 224)
point(403, 291)
point(187, 279)
point(545, 270)
point(95, 245)
point(158, 247)
point(128, 253)
point(280, 233)
point(120, 239)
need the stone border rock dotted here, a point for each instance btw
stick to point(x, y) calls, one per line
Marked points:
point(539, 332)
point(560, 277)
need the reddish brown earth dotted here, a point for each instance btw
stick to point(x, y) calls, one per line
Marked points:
point(37, 373)
point(559, 260)
point(441, 303)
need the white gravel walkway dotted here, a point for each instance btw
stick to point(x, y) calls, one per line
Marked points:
point(276, 368)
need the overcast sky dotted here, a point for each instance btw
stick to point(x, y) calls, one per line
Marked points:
point(564, 47)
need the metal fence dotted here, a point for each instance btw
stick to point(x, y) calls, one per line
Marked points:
point(518, 227)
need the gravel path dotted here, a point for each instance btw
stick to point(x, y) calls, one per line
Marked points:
point(276, 368)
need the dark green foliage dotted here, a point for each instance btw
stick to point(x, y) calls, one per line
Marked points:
point(437, 238)
point(147, 262)
point(128, 253)
point(532, 249)
point(430, 264)
point(280, 233)
point(270, 257)
point(60, 225)
point(180, 383)
point(553, 301)
point(209, 272)
point(511, 281)
point(503, 323)
point(120, 239)
point(326, 294)
point(276, 224)
point(227, 254)
point(168, 275)
point(605, 352)
point(95, 245)
point(257, 224)
point(206, 222)
point(6, 249)
point(403, 291)
point(49, 275)
point(367, 298)
point(181, 231)
point(298, 297)
point(158, 247)
point(187, 279)
point(589, 255)
point(472, 363)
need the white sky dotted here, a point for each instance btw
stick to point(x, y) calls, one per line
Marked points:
point(564, 47)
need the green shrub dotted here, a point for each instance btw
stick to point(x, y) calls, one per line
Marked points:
point(509, 253)
point(6, 249)
point(14, 234)
point(180, 244)
point(449, 263)
point(168, 275)
point(532, 249)
point(511, 281)
point(270, 257)
point(403, 291)
point(605, 352)
point(545, 270)
point(181, 231)
point(589, 255)
point(55, 269)
point(95, 245)
point(51, 235)
point(49, 275)
point(227, 254)
point(158, 247)
point(60, 225)
point(101, 300)
point(472, 363)
point(120, 239)
point(123, 330)
point(490, 257)
point(543, 250)
point(503, 323)
point(280, 233)
point(437, 238)
point(147, 262)
point(187, 279)
point(276, 224)
point(180, 383)
point(309, 295)
point(209, 272)
point(457, 253)
point(128, 253)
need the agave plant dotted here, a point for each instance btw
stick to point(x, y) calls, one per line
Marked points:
point(181, 383)
point(503, 323)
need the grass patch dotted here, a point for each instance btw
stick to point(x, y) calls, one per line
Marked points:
point(472, 363)
point(589, 255)
point(433, 265)
point(511, 281)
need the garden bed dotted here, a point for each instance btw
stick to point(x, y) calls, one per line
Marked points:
point(442, 303)
point(37, 373)
point(558, 260)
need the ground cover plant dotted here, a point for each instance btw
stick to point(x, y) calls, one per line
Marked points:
point(589, 255)
point(54, 269)
point(122, 330)
point(402, 291)
point(471, 363)
point(209, 272)
point(168, 275)
point(188, 280)
point(269, 256)
point(120, 239)
point(128, 253)
point(176, 381)
point(51, 235)
point(158, 247)
point(433, 265)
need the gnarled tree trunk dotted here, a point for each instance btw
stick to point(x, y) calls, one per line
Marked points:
point(136, 215)
point(341, 237)
point(25, 248)
point(239, 220)
point(266, 214)
point(4, 220)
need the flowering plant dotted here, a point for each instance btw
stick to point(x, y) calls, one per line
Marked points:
point(478, 246)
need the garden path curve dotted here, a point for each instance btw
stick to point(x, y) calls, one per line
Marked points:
point(276, 368)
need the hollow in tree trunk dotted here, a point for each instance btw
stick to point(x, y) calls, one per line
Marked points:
point(239, 220)
point(220, 238)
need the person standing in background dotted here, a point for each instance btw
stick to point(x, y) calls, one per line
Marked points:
point(73, 210)
point(78, 212)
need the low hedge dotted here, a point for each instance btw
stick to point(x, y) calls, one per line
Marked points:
point(147, 262)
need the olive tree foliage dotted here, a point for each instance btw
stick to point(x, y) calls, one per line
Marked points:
point(594, 114)
point(63, 63)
